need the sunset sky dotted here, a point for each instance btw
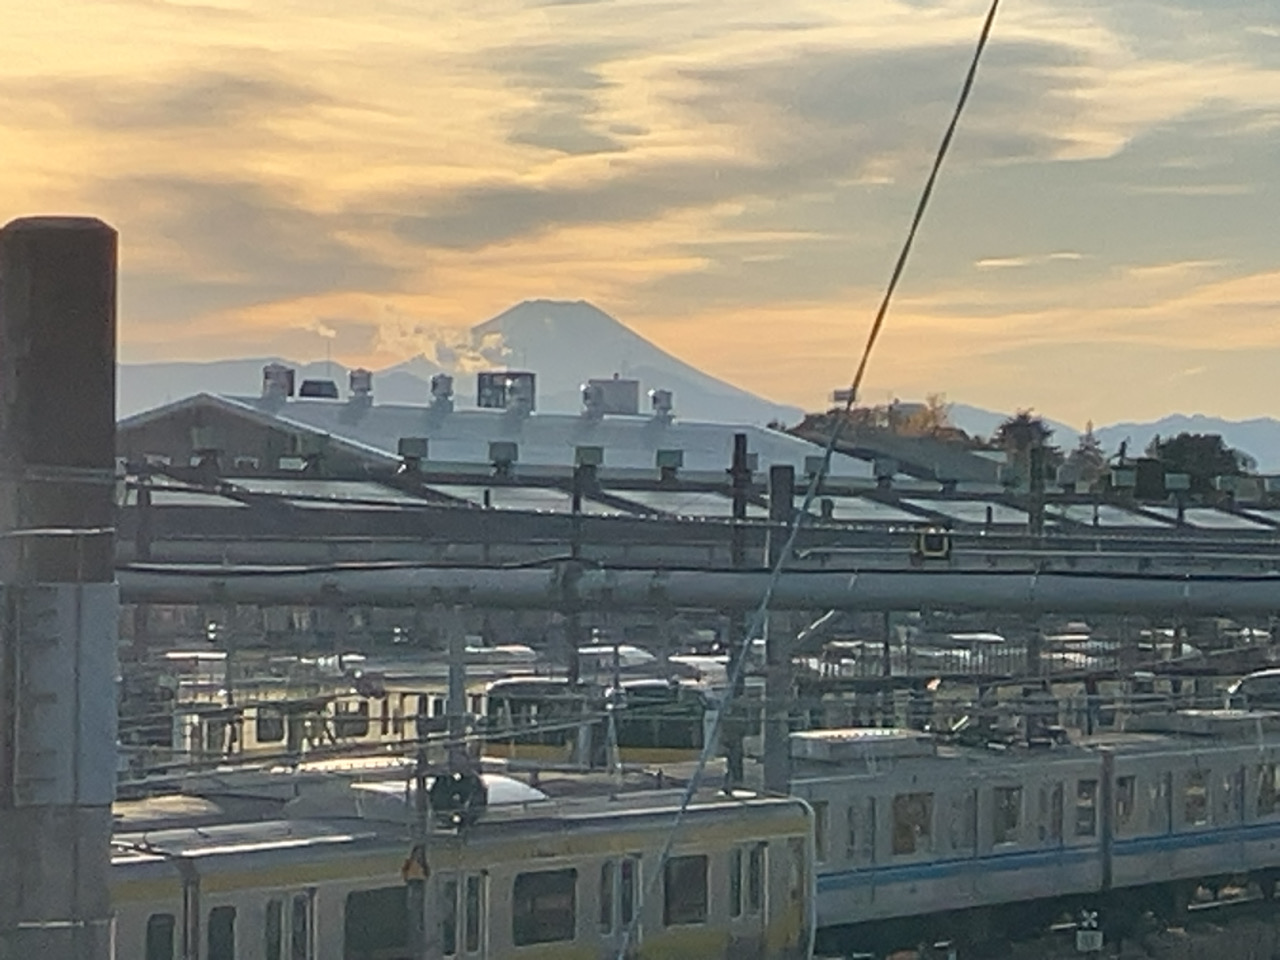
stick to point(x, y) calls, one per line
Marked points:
point(731, 178)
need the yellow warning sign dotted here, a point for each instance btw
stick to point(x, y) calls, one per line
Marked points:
point(415, 865)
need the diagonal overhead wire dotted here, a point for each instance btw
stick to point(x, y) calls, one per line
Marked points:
point(756, 628)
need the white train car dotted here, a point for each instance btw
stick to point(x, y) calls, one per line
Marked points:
point(918, 838)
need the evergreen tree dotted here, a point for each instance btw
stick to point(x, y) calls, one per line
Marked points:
point(1202, 456)
point(1088, 461)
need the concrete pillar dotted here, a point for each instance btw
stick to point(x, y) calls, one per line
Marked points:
point(58, 630)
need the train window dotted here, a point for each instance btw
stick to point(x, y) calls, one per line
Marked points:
point(300, 928)
point(160, 927)
point(477, 704)
point(474, 908)
point(544, 907)
point(685, 891)
point(606, 895)
point(1086, 808)
point(269, 725)
point(912, 822)
point(735, 882)
point(1006, 814)
point(449, 917)
point(215, 736)
point(273, 930)
point(1055, 813)
point(627, 888)
point(798, 873)
point(1233, 796)
point(351, 721)
point(1195, 798)
point(1268, 789)
point(851, 832)
point(820, 810)
point(755, 878)
point(1126, 800)
point(222, 934)
point(384, 712)
point(375, 923)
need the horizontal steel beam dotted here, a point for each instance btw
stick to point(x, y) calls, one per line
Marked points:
point(568, 586)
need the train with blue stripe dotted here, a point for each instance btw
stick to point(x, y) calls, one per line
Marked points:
point(921, 838)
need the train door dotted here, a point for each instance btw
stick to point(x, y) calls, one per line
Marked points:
point(288, 926)
point(618, 903)
point(749, 906)
point(190, 910)
point(464, 915)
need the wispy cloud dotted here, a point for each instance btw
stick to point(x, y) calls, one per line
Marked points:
point(1173, 271)
point(1007, 263)
point(734, 178)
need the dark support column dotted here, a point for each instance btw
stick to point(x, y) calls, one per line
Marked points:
point(1035, 513)
point(739, 490)
point(59, 629)
point(779, 685)
point(733, 727)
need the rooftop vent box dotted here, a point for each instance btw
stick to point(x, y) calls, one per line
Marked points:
point(412, 448)
point(857, 744)
point(498, 390)
point(319, 389)
point(588, 456)
point(616, 396)
point(504, 451)
point(669, 459)
point(1123, 479)
point(360, 381)
point(277, 381)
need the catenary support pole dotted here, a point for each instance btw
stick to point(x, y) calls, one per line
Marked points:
point(778, 680)
point(59, 626)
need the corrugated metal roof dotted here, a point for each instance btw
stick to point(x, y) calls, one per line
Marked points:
point(550, 439)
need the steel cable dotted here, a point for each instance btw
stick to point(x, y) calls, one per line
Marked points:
point(756, 628)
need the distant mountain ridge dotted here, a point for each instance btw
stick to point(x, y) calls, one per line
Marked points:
point(565, 343)
point(1259, 437)
point(569, 342)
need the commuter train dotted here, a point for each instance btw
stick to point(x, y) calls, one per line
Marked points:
point(891, 838)
point(533, 877)
point(918, 839)
point(523, 718)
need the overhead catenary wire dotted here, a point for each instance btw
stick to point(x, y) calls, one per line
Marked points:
point(756, 628)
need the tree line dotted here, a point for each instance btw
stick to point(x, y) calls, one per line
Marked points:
point(1202, 457)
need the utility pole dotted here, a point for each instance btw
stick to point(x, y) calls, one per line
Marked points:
point(733, 727)
point(456, 707)
point(778, 680)
point(58, 625)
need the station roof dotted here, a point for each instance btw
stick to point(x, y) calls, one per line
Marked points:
point(462, 436)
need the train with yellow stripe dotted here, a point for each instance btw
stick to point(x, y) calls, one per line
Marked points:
point(534, 877)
